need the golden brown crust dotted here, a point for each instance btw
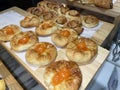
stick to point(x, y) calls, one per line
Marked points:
point(41, 54)
point(23, 40)
point(46, 28)
point(82, 50)
point(63, 10)
point(76, 25)
point(7, 32)
point(107, 4)
point(71, 82)
point(30, 21)
point(50, 15)
point(61, 20)
point(73, 15)
point(90, 21)
point(63, 36)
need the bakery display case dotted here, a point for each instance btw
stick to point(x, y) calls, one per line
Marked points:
point(102, 32)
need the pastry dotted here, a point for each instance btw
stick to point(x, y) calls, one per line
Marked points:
point(63, 36)
point(30, 21)
point(63, 75)
point(7, 32)
point(81, 50)
point(23, 40)
point(61, 20)
point(50, 15)
point(38, 11)
point(63, 10)
point(76, 25)
point(46, 28)
point(90, 21)
point(73, 15)
point(41, 54)
point(107, 4)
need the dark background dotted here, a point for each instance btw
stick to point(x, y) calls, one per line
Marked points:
point(24, 4)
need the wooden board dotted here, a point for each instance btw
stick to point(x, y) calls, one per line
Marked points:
point(10, 81)
point(88, 71)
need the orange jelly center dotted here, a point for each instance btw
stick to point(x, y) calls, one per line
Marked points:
point(82, 46)
point(40, 48)
point(9, 31)
point(63, 74)
point(65, 33)
point(24, 40)
point(26, 19)
point(46, 25)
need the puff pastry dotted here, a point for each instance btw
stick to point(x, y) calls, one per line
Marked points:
point(46, 28)
point(81, 50)
point(90, 21)
point(7, 32)
point(107, 4)
point(41, 54)
point(63, 75)
point(63, 36)
point(30, 21)
point(23, 40)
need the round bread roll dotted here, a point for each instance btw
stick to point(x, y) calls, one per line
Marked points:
point(23, 40)
point(73, 15)
point(63, 10)
point(2, 84)
point(63, 75)
point(81, 50)
point(90, 21)
point(41, 54)
point(30, 21)
point(50, 15)
point(7, 32)
point(61, 20)
point(44, 3)
point(76, 25)
point(38, 11)
point(63, 36)
point(46, 28)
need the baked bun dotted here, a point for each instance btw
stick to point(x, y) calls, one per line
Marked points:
point(41, 54)
point(61, 20)
point(46, 4)
point(81, 50)
point(50, 15)
point(73, 15)
point(38, 11)
point(63, 10)
point(76, 25)
point(90, 21)
point(46, 28)
point(63, 75)
point(30, 21)
point(7, 32)
point(2, 84)
point(107, 4)
point(63, 36)
point(23, 40)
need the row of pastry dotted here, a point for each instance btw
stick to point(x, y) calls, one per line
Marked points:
point(63, 16)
